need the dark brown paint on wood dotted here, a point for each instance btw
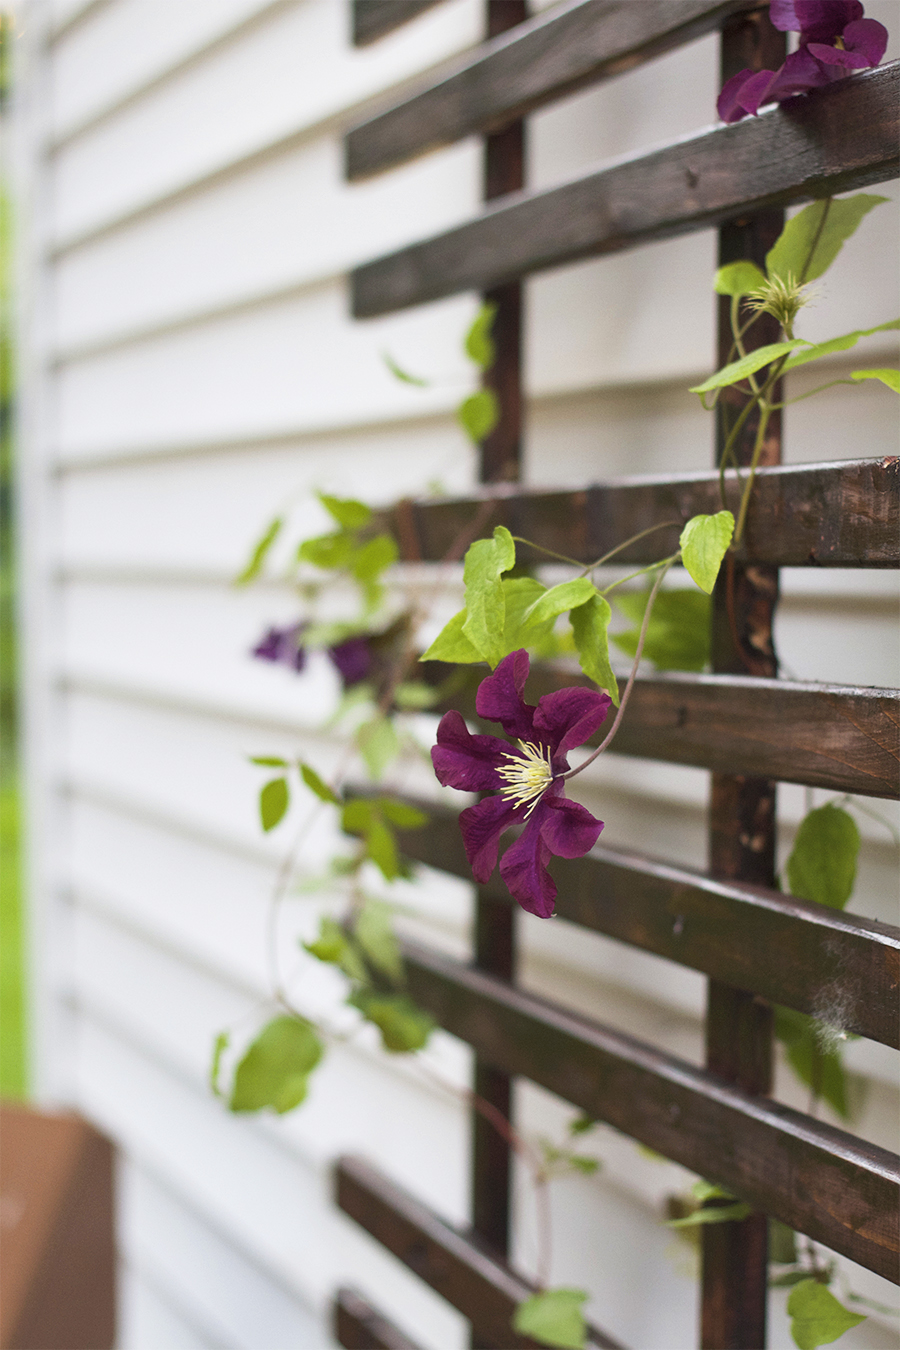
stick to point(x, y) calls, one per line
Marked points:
point(374, 19)
point(834, 140)
point(359, 1326)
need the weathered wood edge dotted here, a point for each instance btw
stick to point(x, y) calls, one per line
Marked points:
point(819, 1180)
point(551, 55)
point(791, 951)
point(374, 19)
point(796, 151)
point(359, 1326)
point(471, 1277)
point(844, 513)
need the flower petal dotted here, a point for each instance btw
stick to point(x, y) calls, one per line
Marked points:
point(352, 660)
point(481, 826)
point(800, 73)
point(569, 717)
point(499, 697)
point(814, 20)
point(867, 37)
point(524, 870)
point(567, 828)
point(464, 761)
point(729, 105)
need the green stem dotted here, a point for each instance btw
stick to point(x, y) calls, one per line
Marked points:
point(550, 552)
point(764, 415)
point(664, 562)
point(663, 525)
point(631, 678)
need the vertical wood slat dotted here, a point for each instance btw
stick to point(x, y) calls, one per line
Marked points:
point(742, 809)
point(495, 931)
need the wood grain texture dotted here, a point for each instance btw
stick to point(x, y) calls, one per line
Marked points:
point(788, 950)
point(819, 1180)
point(465, 1272)
point(842, 137)
point(552, 55)
point(839, 737)
point(374, 19)
point(841, 514)
point(359, 1326)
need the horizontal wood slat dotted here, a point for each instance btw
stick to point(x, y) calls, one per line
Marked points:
point(842, 137)
point(832, 736)
point(790, 951)
point(819, 1180)
point(473, 1280)
point(373, 19)
point(551, 55)
point(359, 1326)
point(841, 514)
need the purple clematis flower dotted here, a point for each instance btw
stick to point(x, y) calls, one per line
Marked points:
point(835, 39)
point(527, 778)
point(352, 660)
point(283, 645)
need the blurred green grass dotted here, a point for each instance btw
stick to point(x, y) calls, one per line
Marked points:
point(12, 993)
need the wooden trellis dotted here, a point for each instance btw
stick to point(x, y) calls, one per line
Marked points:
point(756, 945)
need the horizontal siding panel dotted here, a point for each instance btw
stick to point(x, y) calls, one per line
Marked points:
point(129, 44)
point(149, 1317)
point(280, 369)
point(161, 270)
point(245, 98)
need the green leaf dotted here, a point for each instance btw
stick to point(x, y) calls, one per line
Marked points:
point(269, 761)
point(378, 744)
point(479, 414)
point(553, 1317)
point(822, 865)
point(739, 278)
point(358, 815)
point(748, 365)
point(273, 803)
point(567, 595)
point(590, 623)
point(275, 1070)
point(812, 239)
point(886, 374)
point(316, 785)
point(260, 552)
point(817, 1317)
point(403, 1026)
point(413, 695)
point(451, 643)
point(221, 1044)
point(374, 933)
point(399, 373)
point(402, 815)
point(814, 351)
point(788, 1278)
point(678, 634)
point(581, 1124)
point(381, 847)
point(349, 513)
point(704, 542)
point(782, 1243)
point(712, 1214)
point(710, 1190)
point(334, 947)
point(479, 345)
point(818, 1067)
point(327, 550)
point(370, 560)
point(485, 561)
point(582, 1164)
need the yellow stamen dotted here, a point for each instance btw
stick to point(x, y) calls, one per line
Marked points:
point(527, 777)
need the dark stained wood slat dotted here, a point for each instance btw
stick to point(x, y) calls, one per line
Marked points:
point(358, 1326)
point(819, 1180)
point(552, 55)
point(373, 19)
point(842, 514)
point(476, 1282)
point(842, 137)
point(832, 736)
point(788, 950)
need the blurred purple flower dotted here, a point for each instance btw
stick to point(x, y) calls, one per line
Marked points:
point(835, 39)
point(527, 777)
point(283, 645)
point(352, 660)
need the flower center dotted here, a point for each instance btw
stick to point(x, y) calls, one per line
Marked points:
point(526, 775)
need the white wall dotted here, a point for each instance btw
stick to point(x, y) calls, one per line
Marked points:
point(188, 364)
